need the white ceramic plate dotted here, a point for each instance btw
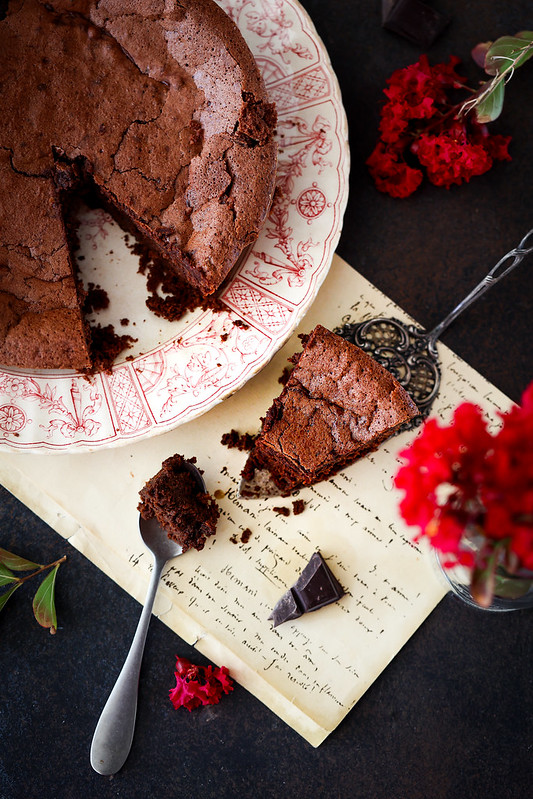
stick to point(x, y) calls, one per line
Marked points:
point(183, 369)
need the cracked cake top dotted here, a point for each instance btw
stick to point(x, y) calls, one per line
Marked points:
point(157, 104)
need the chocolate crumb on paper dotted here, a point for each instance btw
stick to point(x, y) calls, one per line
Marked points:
point(282, 510)
point(245, 536)
point(234, 439)
point(298, 506)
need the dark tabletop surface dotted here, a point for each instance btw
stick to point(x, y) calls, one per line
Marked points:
point(450, 717)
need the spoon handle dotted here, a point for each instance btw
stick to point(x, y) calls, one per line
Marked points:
point(113, 735)
point(494, 276)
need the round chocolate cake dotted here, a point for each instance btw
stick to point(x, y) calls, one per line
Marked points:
point(158, 107)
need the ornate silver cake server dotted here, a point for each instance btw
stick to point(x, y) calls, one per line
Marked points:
point(410, 352)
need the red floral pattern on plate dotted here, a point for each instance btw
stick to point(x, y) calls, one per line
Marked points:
point(179, 372)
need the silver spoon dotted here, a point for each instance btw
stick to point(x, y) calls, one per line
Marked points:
point(113, 735)
point(409, 352)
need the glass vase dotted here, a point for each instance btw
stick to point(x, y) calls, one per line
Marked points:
point(511, 593)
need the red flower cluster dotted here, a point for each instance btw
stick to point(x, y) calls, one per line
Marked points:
point(460, 479)
point(419, 124)
point(199, 685)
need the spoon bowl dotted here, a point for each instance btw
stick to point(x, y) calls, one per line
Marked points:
point(157, 541)
point(113, 735)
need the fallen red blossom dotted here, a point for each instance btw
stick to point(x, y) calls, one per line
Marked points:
point(199, 685)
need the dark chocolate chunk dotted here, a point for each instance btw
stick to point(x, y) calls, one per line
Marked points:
point(314, 588)
point(414, 20)
point(286, 609)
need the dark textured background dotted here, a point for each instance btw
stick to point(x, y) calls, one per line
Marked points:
point(450, 718)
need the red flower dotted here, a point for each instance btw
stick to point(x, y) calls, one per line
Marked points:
point(495, 144)
point(419, 120)
point(199, 685)
point(391, 174)
point(461, 478)
point(415, 92)
point(450, 157)
point(419, 83)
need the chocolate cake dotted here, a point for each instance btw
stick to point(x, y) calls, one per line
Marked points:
point(337, 405)
point(175, 499)
point(159, 108)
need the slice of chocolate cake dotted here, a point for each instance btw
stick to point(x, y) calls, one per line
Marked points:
point(173, 496)
point(338, 405)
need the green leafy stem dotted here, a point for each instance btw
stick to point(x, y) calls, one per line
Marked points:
point(44, 608)
point(499, 59)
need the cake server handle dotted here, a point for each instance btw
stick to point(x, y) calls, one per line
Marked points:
point(500, 270)
point(113, 735)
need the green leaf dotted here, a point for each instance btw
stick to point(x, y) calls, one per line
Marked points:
point(5, 596)
point(17, 563)
point(44, 608)
point(511, 587)
point(6, 576)
point(490, 107)
point(508, 52)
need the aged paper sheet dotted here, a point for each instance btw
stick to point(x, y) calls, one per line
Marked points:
point(310, 671)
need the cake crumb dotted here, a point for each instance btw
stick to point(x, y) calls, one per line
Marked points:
point(245, 535)
point(282, 510)
point(96, 299)
point(106, 345)
point(234, 439)
point(298, 506)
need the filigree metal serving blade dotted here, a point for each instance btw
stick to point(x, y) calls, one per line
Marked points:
point(410, 352)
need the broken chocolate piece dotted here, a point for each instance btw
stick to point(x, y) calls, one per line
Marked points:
point(286, 609)
point(314, 588)
point(414, 20)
